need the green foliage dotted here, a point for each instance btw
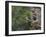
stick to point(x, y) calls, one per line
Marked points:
point(19, 21)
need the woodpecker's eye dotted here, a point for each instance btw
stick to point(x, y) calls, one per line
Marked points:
point(34, 18)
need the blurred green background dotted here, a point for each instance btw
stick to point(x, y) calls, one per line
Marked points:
point(21, 18)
